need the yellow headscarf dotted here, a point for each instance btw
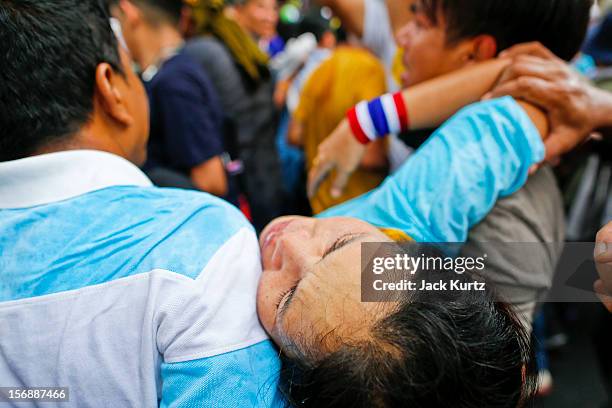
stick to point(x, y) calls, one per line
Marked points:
point(210, 18)
point(396, 235)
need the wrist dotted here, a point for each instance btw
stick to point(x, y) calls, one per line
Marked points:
point(379, 117)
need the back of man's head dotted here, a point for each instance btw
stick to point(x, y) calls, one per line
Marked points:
point(558, 24)
point(50, 51)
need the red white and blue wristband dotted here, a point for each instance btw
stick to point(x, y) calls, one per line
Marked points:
point(379, 117)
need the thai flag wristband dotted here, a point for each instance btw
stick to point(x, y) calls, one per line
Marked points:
point(376, 119)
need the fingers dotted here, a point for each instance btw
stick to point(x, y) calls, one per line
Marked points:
point(534, 90)
point(317, 174)
point(342, 177)
point(532, 48)
point(529, 66)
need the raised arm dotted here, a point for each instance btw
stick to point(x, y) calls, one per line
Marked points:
point(452, 182)
point(424, 106)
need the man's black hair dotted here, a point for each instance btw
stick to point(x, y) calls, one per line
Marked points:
point(437, 349)
point(49, 50)
point(560, 25)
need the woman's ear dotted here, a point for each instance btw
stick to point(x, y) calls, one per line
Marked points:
point(485, 47)
point(110, 88)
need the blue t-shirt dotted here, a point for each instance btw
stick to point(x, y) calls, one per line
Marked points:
point(186, 117)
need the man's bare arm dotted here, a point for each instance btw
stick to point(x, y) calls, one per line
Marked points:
point(210, 176)
point(426, 108)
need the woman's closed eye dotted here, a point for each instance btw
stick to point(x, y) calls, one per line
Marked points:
point(285, 298)
point(341, 242)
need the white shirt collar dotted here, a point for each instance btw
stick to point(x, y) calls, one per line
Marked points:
point(53, 177)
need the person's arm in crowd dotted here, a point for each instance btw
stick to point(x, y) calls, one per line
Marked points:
point(210, 176)
point(427, 105)
point(481, 154)
point(603, 259)
point(575, 107)
point(193, 132)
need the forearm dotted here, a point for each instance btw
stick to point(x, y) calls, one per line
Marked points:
point(431, 103)
point(423, 106)
point(210, 177)
point(294, 133)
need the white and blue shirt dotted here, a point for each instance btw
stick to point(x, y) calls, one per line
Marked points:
point(129, 295)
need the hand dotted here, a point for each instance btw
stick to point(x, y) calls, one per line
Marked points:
point(603, 260)
point(342, 152)
point(575, 108)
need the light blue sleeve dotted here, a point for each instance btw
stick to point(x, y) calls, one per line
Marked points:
point(452, 182)
point(242, 379)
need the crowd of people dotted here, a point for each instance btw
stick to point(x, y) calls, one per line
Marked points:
point(186, 187)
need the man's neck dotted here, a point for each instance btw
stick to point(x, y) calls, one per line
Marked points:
point(159, 41)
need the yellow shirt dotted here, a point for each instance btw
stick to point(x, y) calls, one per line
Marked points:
point(349, 76)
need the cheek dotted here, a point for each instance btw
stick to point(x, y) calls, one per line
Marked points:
point(272, 286)
point(265, 301)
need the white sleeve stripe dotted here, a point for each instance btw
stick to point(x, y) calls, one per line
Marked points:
point(365, 121)
point(390, 109)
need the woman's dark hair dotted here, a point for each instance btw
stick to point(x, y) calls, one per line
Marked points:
point(446, 349)
point(50, 50)
point(560, 25)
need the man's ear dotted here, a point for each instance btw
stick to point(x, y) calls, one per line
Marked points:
point(485, 48)
point(109, 93)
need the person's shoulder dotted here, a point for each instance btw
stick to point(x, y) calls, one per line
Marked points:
point(179, 73)
point(197, 202)
point(182, 230)
point(206, 47)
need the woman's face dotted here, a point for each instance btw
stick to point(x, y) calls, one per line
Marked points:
point(260, 17)
point(311, 282)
